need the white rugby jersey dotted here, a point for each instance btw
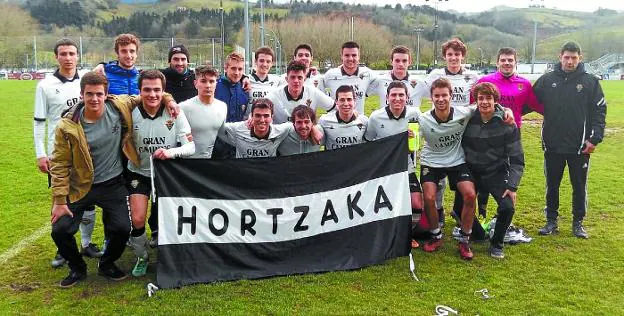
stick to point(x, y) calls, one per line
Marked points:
point(205, 121)
point(461, 83)
point(382, 123)
point(284, 103)
point(260, 88)
point(416, 89)
point(360, 81)
point(442, 140)
point(293, 144)
point(339, 133)
point(151, 133)
point(53, 95)
point(248, 145)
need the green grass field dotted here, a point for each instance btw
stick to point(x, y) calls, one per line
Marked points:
point(552, 275)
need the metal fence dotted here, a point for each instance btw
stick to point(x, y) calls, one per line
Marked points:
point(37, 53)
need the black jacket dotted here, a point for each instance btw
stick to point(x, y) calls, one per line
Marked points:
point(574, 109)
point(180, 85)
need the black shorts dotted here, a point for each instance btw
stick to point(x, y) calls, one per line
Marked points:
point(455, 175)
point(414, 185)
point(138, 184)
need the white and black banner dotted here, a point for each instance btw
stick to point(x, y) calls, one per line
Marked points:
point(253, 218)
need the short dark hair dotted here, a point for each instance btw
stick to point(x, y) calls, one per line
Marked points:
point(399, 50)
point(152, 74)
point(206, 70)
point(264, 50)
point(571, 47)
point(486, 88)
point(126, 39)
point(350, 44)
point(345, 88)
point(303, 46)
point(456, 44)
point(507, 51)
point(64, 42)
point(396, 84)
point(441, 83)
point(262, 103)
point(303, 111)
point(294, 65)
point(93, 78)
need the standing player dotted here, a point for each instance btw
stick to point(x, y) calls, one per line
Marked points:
point(442, 156)
point(262, 82)
point(516, 94)
point(86, 169)
point(205, 114)
point(157, 134)
point(230, 91)
point(122, 74)
point(462, 80)
point(295, 93)
point(179, 77)
point(494, 154)
point(54, 95)
point(350, 73)
point(343, 127)
point(574, 123)
point(394, 119)
point(299, 140)
point(401, 60)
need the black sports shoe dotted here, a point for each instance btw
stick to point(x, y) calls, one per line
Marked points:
point(549, 228)
point(112, 272)
point(91, 251)
point(578, 230)
point(73, 278)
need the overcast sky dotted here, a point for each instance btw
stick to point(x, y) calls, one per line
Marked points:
point(482, 5)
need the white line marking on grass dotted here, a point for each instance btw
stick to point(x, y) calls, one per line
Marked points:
point(12, 252)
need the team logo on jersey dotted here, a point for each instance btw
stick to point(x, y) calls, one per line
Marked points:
point(520, 86)
point(579, 87)
point(461, 122)
point(134, 183)
point(413, 83)
point(169, 124)
point(382, 126)
point(271, 84)
point(136, 127)
point(467, 78)
point(360, 126)
point(361, 76)
point(58, 91)
point(309, 102)
point(425, 171)
point(554, 85)
point(115, 129)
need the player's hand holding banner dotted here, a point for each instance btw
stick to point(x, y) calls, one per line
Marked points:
point(253, 218)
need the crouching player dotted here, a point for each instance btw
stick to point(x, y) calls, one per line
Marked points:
point(155, 133)
point(494, 154)
point(394, 119)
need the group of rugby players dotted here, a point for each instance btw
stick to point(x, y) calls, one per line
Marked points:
point(101, 139)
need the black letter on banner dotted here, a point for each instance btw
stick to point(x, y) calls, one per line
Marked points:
point(352, 205)
point(329, 213)
point(187, 220)
point(248, 226)
point(274, 212)
point(226, 222)
point(304, 212)
point(381, 195)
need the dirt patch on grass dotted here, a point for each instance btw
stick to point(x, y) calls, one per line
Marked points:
point(24, 288)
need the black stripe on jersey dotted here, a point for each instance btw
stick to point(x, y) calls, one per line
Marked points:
point(40, 119)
